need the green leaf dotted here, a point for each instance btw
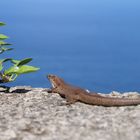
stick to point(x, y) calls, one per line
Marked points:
point(15, 61)
point(21, 62)
point(2, 43)
point(2, 23)
point(1, 66)
point(12, 70)
point(27, 69)
point(3, 49)
point(5, 60)
point(24, 61)
point(20, 70)
point(2, 61)
point(2, 37)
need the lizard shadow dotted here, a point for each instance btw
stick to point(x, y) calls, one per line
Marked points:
point(18, 90)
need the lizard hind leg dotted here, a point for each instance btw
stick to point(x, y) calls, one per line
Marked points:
point(70, 100)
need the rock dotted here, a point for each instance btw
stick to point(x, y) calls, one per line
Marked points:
point(31, 113)
point(8, 135)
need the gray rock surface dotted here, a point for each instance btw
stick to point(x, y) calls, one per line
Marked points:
point(33, 114)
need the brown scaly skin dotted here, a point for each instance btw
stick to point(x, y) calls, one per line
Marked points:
point(74, 94)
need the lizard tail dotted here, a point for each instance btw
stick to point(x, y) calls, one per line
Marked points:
point(118, 101)
point(108, 101)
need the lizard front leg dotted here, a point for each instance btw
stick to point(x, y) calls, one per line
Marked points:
point(52, 90)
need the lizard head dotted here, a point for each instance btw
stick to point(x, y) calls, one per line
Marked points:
point(55, 80)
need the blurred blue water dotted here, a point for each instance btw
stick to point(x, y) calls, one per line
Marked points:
point(92, 44)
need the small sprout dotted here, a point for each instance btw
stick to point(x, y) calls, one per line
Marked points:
point(18, 66)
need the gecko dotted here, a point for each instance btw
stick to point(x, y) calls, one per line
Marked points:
point(74, 94)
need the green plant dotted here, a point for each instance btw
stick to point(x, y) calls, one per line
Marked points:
point(17, 67)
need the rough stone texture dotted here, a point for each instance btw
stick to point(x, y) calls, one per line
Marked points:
point(33, 114)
